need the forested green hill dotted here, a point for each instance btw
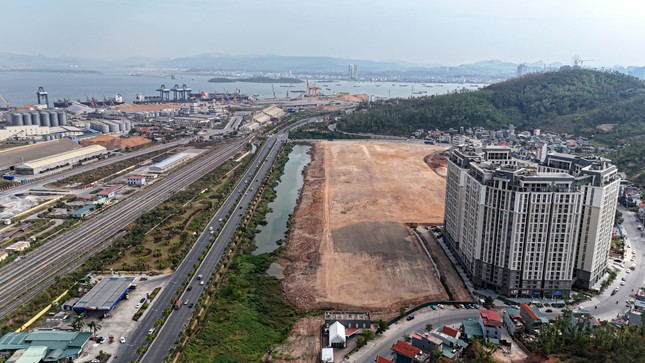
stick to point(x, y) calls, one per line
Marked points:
point(574, 101)
point(531, 101)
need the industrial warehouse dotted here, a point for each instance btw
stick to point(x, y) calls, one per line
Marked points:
point(68, 158)
point(169, 163)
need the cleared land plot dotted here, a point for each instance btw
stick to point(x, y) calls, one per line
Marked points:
point(455, 284)
point(349, 247)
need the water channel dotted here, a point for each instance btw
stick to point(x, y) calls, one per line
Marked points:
point(284, 204)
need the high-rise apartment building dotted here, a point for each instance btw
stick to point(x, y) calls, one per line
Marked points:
point(530, 229)
point(352, 71)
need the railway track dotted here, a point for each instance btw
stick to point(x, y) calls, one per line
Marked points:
point(22, 280)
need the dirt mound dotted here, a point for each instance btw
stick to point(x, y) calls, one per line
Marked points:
point(111, 142)
point(438, 162)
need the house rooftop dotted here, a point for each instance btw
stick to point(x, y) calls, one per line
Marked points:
point(490, 318)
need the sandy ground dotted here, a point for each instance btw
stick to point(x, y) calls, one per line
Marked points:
point(454, 282)
point(111, 142)
point(303, 343)
point(349, 247)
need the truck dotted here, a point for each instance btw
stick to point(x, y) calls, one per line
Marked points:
point(429, 142)
point(177, 305)
point(8, 177)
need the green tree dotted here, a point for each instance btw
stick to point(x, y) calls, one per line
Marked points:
point(381, 326)
point(401, 311)
point(94, 326)
point(78, 323)
point(429, 327)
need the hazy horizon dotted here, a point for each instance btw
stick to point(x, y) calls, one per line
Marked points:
point(414, 31)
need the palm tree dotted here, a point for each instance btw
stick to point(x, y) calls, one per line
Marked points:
point(95, 326)
point(78, 322)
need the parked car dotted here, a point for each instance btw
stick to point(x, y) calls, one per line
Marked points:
point(143, 299)
point(189, 288)
point(190, 305)
point(201, 282)
point(122, 340)
point(137, 306)
point(152, 330)
point(410, 317)
point(186, 302)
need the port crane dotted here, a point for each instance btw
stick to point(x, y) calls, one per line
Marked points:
point(5, 102)
point(312, 91)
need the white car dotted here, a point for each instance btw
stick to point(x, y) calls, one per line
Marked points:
point(622, 283)
point(137, 306)
point(122, 340)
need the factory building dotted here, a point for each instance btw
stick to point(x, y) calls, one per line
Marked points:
point(9, 158)
point(64, 159)
point(530, 229)
point(44, 345)
point(169, 163)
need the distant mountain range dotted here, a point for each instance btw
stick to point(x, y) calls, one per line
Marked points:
point(283, 64)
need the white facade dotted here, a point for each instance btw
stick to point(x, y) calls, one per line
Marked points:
point(337, 338)
point(136, 180)
point(516, 226)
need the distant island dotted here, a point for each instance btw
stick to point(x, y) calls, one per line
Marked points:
point(255, 80)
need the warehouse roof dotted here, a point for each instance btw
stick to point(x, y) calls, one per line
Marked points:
point(109, 190)
point(27, 153)
point(59, 344)
point(105, 294)
point(38, 163)
point(171, 160)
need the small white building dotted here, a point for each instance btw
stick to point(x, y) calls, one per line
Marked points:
point(327, 355)
point(136, 180)
point(23, 245)
point(3, 255)
point(337, 337)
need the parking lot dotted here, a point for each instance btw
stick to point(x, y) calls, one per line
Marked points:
point(119, 322)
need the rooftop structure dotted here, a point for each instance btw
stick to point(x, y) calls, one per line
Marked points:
point(169, 163)
point(490, 318)
point(18, 246)
point(72, 157)
point(327, 355)
point(60, 345)
point(639, 301)
point(109, 192)
point(21, 154)
point(105, 294)
point(337, 336)
point(406, 350)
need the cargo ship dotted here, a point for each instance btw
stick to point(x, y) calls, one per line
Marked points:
point(114, 101)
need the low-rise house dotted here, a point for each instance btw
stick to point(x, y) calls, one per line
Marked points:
point(491, 325)
point(532, 318)
point(405, 353)
point(359, 320)
point(136, 180)
point(426, 342)
point(512, 320)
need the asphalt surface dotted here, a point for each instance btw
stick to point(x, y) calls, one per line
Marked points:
point(382, 345)
point(168, 334)
point(23, 278)
point(607, 306)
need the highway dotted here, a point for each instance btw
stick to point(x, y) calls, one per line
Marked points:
point(35, 271)
point(169, 332)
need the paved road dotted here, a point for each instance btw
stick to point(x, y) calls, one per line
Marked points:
point(382, 345)
point(20, 280)
point(168, 334)
point(606, 306)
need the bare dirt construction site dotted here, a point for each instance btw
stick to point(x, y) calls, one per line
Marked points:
point(349, 247)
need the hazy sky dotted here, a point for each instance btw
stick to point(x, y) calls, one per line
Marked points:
point(418, 31)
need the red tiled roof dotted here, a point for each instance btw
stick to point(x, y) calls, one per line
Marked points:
point(110, 189)
point(380, 359)
point(404, 352)
point(490, 318)
point(350, 331)
point(528, 310)
point(136, 177)
point(408, 347)
point(450, 331)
